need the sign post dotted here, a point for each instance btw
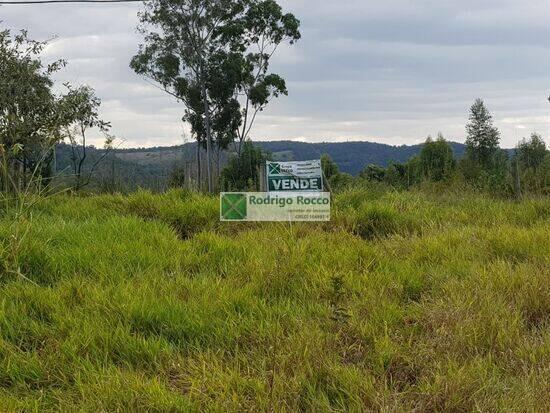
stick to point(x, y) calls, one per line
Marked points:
point(291, 191)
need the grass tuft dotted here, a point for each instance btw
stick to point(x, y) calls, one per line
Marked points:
point(405, 301)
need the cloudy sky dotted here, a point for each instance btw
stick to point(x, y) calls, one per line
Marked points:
point(389, 71)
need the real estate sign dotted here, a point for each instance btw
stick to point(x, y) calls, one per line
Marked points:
point(301, 176)
point(269, 206)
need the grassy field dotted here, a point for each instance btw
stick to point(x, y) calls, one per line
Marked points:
point(404, 302)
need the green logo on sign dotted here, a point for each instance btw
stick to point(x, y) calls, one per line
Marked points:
point(233, 207)
point(274, 169)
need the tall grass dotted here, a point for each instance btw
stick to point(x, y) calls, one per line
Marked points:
point(404, 302)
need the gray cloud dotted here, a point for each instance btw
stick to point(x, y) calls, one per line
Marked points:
point(392, 71)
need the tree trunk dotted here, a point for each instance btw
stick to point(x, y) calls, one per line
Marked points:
point(79, 166)
point(24, 174)
point(517, 183)
point(208, 136)
point(113, 179)
point(54, 161)
point(262, 179)
point(199, 166)
point(218, 167)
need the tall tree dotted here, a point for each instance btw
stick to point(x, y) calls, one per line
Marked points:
point(199, 51)
point(29, 110)
point(181, 38)
point(482, 136)
point(265, 27)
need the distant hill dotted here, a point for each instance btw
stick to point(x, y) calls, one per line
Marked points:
point(150, 167)
point(351, 157)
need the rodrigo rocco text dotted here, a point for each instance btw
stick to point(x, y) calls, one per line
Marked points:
point(283, 201)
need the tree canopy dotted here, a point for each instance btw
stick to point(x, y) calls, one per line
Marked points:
point(482, 141)
point(33, 118)
point(213, 55)
point(531, 153)
point(436, 159)
point(30, 116)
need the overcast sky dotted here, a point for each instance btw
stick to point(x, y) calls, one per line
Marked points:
point(389, 71)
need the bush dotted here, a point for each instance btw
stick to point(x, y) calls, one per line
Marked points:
point(378, 221)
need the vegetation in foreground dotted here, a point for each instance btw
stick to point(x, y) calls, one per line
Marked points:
point(405, 301)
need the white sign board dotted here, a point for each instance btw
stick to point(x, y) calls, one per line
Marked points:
point(301, 176)
point(269, 206)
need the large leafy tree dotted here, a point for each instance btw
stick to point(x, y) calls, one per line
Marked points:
point(212, 55)
point(181, 39)
point(264, 27)
point(29, 111)
point(482, 141)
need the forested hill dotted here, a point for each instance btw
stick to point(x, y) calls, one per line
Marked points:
point(150, 167)
point(351, 157)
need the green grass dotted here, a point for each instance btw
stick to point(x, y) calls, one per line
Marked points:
point(403, 302)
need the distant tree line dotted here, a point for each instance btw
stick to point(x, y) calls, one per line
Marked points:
point(484, 166)
point(37, 121)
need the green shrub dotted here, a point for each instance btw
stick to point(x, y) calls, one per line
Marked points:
point(377, 221)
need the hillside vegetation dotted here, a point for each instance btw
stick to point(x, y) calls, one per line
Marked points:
point(405, 301)
point(151, 167)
